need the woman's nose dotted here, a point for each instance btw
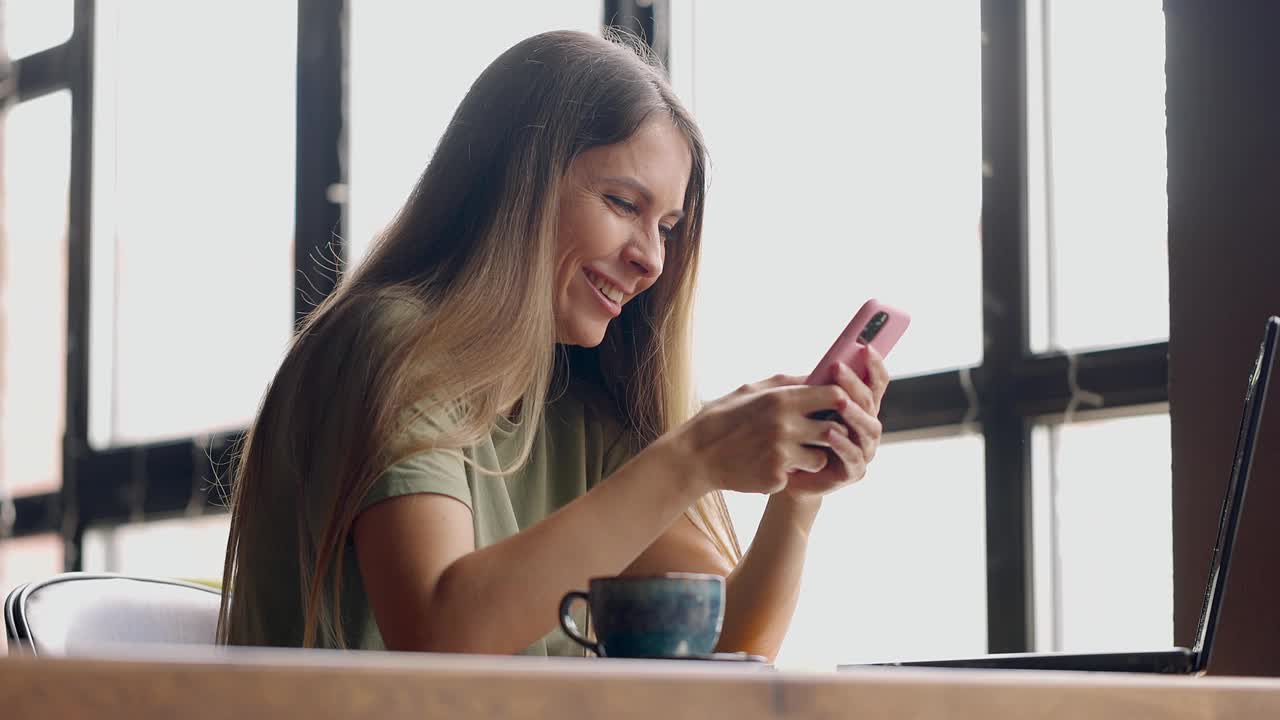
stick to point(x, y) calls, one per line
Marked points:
point(645, 253)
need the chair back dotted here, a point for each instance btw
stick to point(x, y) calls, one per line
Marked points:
point(75, 613)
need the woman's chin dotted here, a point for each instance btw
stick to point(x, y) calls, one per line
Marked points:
point(591, 341)
point(585, 335)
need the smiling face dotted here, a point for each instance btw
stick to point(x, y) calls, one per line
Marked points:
point(618, 206)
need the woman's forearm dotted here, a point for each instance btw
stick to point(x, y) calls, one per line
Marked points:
point(506, 596)
point(763, 589)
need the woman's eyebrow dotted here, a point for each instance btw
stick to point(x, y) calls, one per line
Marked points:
point(643, 191)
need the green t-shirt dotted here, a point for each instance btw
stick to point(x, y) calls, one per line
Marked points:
point(576, 446)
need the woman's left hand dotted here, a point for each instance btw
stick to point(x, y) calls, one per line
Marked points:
point(847, 457)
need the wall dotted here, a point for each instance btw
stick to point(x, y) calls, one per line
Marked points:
point(1223, 74)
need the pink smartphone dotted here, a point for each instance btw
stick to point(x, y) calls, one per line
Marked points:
point(875, 324)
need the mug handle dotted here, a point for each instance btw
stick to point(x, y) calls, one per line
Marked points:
point(569, 626)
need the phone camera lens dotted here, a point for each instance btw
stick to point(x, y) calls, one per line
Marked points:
point(873, 327)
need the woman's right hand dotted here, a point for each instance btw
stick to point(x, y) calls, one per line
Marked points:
point(749, 440)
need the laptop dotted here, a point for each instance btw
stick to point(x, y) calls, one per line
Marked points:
point(1175, 660)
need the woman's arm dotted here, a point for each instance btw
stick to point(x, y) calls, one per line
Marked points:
point(430, 589)
point(763, 589)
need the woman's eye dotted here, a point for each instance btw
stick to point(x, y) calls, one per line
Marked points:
point(667, 233)
point(624, 205)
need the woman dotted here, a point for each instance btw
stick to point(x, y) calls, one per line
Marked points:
point(498, 405)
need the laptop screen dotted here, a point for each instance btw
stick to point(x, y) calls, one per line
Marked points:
point(1254, 399)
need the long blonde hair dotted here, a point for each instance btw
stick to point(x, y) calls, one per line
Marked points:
point(452, 314)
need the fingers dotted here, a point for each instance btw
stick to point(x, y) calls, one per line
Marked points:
point(805, 399)
point(814, 431)
point(861, 427)
point(868, 437)
point(810, 460)
point(877, 376)
point(854, 406)
point(849, 432)
point(848, 389)
point(840, 426)
point(858, 390)
point(782, 451)
point(866, 430)
point(852, 455)
point(850, 464)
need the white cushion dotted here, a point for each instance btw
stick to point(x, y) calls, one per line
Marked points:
point(77, 613)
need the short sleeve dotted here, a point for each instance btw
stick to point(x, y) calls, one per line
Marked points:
point(440, 472)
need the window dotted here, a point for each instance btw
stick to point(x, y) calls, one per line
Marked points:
point(410, 66)
point(192, 221)
point(191, 548)
point(34, 25)
point(1103, 534)
point(845, 156)
point(27, 559)
point(845, 148)
point(33, 294)
point(1098, 277)
point(1098, 207)
point(897, 563)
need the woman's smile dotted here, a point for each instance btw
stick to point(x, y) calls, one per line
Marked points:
point(610, 296)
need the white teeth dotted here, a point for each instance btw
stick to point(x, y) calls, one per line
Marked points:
point(613, 294)
point(606, 289)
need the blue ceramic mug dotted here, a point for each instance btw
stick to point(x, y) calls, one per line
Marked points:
point(672, 615)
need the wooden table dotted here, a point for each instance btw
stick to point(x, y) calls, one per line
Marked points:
point(197, 683)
